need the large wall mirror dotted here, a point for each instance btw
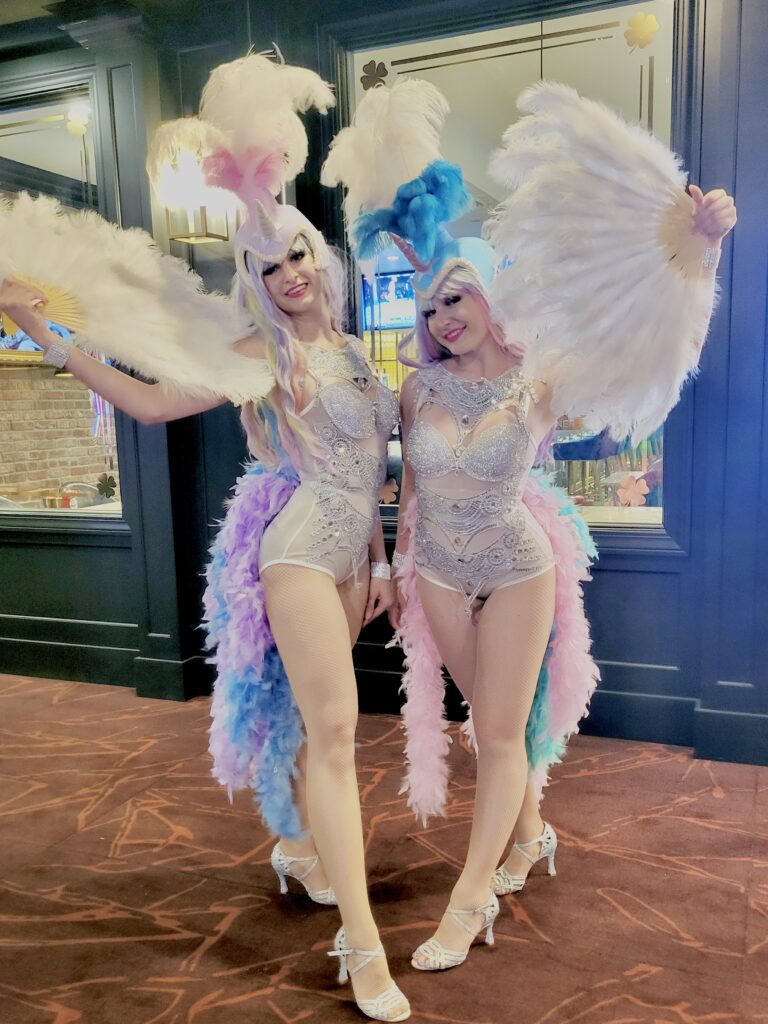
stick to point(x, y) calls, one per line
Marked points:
point(59, 450)
point(621, 54)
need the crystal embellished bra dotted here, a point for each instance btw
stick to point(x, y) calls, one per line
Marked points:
point(353, 415)
point(471, 454)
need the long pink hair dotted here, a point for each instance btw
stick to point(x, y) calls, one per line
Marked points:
point(420, 349)
point(287, 360)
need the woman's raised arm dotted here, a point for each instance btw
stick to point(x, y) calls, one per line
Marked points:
point(148, 403)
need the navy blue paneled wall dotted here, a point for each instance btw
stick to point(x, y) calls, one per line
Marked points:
point(731, 438)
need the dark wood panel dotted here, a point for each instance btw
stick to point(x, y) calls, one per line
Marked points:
point(635, 616)
point(93, 584)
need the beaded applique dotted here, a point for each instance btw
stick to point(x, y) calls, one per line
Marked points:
point(474, 487)
point(352, 415)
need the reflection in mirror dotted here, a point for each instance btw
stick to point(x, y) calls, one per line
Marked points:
point(59, 451)
point(620, 54)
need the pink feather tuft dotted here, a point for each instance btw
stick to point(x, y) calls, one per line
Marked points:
point(254, 175)
point(221, 170)
point(427, 742)
point(573, 674)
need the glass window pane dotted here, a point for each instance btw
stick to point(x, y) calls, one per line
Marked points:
point(613, 484)
point(58, 451)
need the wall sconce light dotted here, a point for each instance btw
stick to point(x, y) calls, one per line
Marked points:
point(78, 118)
point(195, 213)
point(192, 225)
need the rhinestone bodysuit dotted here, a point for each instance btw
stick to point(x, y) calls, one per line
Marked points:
point(471, 454)
point(328, 522)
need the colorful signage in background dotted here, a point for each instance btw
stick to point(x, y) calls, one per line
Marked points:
point(388, 302)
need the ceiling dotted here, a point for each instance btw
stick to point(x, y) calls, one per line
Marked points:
point(12, 11)
point(22, 10)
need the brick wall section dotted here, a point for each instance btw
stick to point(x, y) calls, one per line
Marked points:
point(45, 426)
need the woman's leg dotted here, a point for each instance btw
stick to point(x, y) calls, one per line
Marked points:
point(312, 633)
point(353, 599)
point(456, 639)
point(528, 827)
point(454, 633)
point(513, 630)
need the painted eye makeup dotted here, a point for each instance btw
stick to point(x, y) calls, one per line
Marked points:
point(451, 300)
point(428, 313)
point(269, 269)
point(297, 255)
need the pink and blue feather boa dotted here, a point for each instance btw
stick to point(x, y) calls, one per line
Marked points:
point(256, 732)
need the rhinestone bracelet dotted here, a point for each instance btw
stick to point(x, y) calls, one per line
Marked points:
point(380, 571)
point(58, 353)
point(711, 257)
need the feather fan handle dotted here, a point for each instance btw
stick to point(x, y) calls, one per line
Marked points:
point(136, 305)
point(394, 135)
point(603, 271)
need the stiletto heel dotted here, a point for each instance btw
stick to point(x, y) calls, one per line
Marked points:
point(441, 959)
point(383, 1006)
point(281, 862)
point(551, 866)
point(505, 882)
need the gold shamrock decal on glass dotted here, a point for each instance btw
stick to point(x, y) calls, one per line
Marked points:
point(373, 74)
point(106, 485)
point(642, 30)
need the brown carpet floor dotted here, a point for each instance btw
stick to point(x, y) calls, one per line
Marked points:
point(131, 891)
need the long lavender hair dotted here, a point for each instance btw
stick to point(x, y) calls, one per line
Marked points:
point(287, 360)
point(420, 349)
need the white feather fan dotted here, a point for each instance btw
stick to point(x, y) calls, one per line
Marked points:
point(145, 309)
point(604, 278)
point(394, 135)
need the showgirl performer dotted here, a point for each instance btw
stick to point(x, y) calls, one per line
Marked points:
point(608, 276)
point(289, 585)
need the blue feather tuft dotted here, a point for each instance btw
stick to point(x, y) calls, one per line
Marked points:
point(421, 209)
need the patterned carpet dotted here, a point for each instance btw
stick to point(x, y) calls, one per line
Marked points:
point(132, 892)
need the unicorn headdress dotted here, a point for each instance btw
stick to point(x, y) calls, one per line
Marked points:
point(249, 140)
point(400, 189)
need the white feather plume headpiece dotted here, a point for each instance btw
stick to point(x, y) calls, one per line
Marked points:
point(249, 140)
point(255, 103)
point(602, 272)
point(399, 189)
point(394, 135)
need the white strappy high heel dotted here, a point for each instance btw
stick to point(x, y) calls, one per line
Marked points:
point(505, 882)
point(439, 958)
point(282, 864)
point(383, 1006)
